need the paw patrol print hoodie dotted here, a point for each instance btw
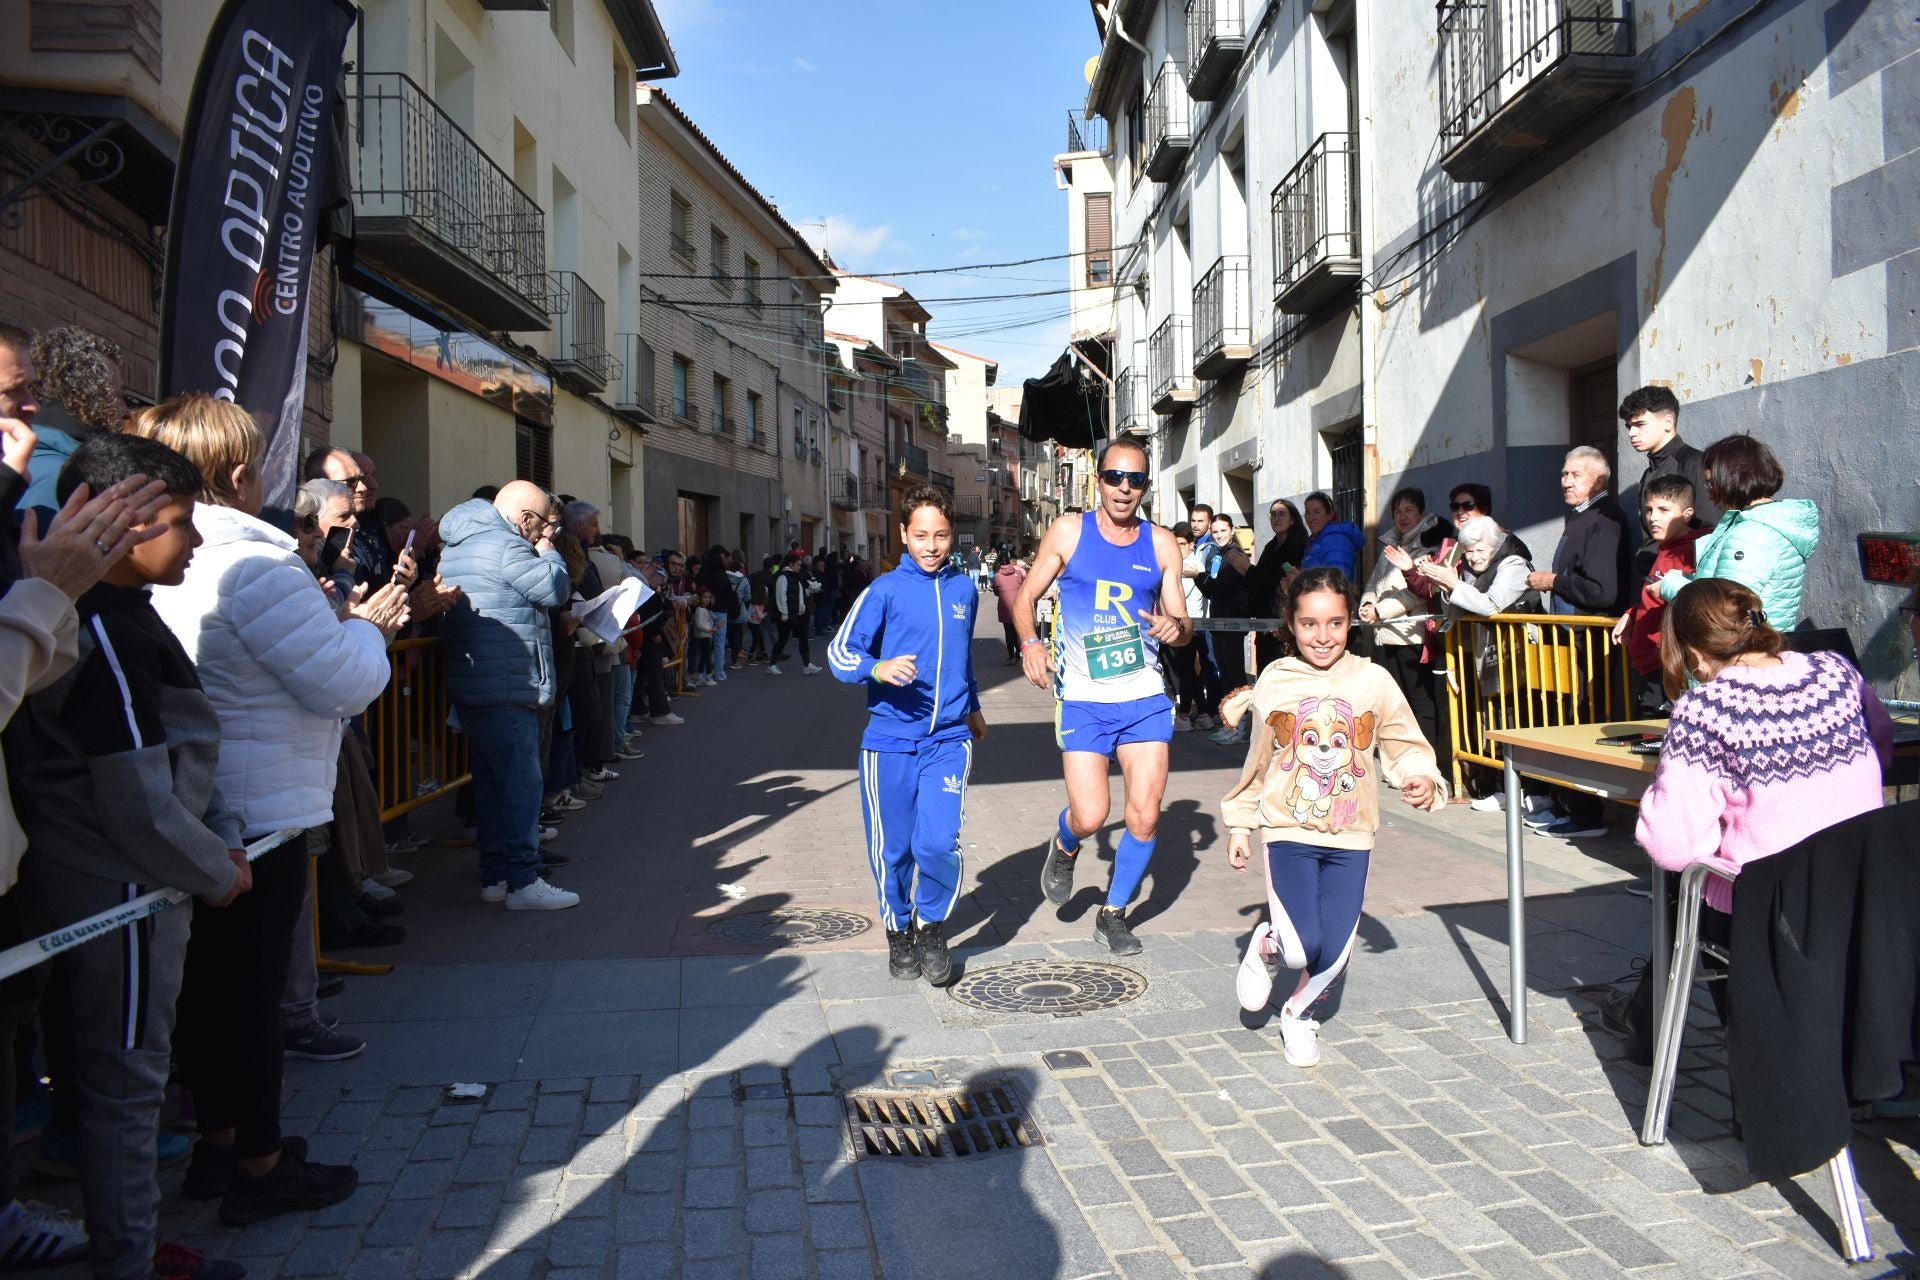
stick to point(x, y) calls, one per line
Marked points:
point(931, 617)
point(1318, 742)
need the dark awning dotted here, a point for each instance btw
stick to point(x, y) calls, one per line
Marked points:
point(1066, 404)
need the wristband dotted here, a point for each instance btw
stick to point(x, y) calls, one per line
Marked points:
point(1031, 640)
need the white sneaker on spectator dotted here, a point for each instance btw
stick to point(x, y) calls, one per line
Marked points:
point(38, 1235)
point(812, 670)
point(549, 834)
point(1182, 724)
point(541, 896)
point(1206, 720)
point(600, 773)
point(375, 890)
point(567, 802)
point(668, 718)
point(773, 668)
point(585, 790)
point(495, 892)
point(393, 878)
point(1494, 803)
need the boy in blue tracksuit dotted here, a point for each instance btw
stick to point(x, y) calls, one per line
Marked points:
point(923, 710)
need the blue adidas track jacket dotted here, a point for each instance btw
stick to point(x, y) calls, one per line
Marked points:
point(931, 617)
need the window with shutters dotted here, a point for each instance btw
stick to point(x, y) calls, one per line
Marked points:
point(682, 375)
point(533, 452)
point(680, 234)
point(1099, 239)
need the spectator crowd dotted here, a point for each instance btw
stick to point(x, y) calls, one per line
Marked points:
point(184, 710)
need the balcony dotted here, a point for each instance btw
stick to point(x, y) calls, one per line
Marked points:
point(1216, 37)
point(634, 390)
point(1316, 226)
point(968, 506)
point(873, 494)
point(1085, 132)
point(1130, 402)
point(940, 480)
point(1170, 365)
point(916, 378)
point(1513, 73)
point(432, 211)
point(1168, 134)
point(843, 489)
point(913, 461)
point(580, 354)
point(1222, 319)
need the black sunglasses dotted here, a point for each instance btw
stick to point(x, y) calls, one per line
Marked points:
point(1132, 479)
point(1461, 506)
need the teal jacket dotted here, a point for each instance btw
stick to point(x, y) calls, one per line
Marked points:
point(1765, 548)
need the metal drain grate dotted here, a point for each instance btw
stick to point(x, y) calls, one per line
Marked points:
point(789, 926)
point(1059, 987)
point(946, 1125)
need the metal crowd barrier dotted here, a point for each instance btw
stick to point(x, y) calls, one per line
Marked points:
point(1546, 669)
point(417, 757)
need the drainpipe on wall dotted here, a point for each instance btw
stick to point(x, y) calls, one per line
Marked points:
point(1369, 313)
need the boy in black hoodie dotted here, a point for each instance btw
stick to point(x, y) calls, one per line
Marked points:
point(115, 788)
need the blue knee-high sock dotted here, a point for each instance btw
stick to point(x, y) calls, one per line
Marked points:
point(1130, 859)
point(1069, 842)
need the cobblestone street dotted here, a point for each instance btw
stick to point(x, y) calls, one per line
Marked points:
point(666, 1102)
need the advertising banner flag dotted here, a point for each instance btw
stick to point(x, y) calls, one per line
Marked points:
point(250, 198)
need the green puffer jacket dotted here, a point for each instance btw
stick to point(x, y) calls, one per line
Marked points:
point(1766, 548)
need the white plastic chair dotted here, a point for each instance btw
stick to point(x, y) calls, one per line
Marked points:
point(1855, 1243)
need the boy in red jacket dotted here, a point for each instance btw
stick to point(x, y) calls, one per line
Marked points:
point(1666, 508)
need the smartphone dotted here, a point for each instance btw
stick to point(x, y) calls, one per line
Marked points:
point(1634, 739)
point(330, 549)
point(411, 535)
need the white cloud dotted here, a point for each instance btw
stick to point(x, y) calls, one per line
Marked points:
point(853, 246)
point(967, 233)
point(804, 67)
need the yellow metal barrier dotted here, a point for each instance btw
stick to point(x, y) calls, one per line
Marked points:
point(416, 756)
point(1540, 670)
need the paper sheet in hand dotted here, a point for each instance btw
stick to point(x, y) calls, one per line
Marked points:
point(606, 614)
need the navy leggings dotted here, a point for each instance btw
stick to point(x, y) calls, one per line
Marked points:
point(1314, 895)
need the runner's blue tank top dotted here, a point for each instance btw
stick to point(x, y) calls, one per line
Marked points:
point(1101, 653)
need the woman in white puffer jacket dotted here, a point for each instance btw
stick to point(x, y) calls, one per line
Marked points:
point(283, 666)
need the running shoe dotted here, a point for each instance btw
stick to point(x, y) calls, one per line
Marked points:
point(1056, 874)
point(1299, 1040)
point(541, 896)
point(1110, 927)
point(1489, 804)
point(902, 960)
point(811, 670)
point(1182, 724)
point(930, 948)
point(1253, 982)
point(37, 1235)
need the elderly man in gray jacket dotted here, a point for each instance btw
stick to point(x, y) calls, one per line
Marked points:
point(499, 652)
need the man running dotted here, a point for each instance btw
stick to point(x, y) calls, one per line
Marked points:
point(1105, 670)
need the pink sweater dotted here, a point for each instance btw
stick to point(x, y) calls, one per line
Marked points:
point(1759, 758)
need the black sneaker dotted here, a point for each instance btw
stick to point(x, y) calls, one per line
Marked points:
point(378, 908)
point(1056, 874)
point(330, 986)
point(293, 1184)
point(317, 1043)
point(371, 934)
point(931, 954)
point(212, 1168)
point(550, 859)
point(1110, 927)
point(903, 961)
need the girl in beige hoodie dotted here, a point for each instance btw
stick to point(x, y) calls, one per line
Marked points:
point(1325, 725)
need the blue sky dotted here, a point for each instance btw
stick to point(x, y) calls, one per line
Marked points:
point(907, 135)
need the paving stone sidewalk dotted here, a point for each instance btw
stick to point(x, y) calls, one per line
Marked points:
point(665, 1104)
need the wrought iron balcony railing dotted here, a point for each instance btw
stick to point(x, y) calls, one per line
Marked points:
point(435, 212)
point(1222, 319)
point(580, 333)
point(1085, 132)
point(1316, 225)
point(1216, 37)
point(1513, 73)
point(633, 396)
point(873, 493)
point(913, 460)
point(968, 506)
point(843, 489)
point(940, 480)
point(1168, 133)
point(1170, 361)
point(1131, 412)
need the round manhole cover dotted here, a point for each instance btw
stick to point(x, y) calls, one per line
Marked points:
point(790, 926)
point(1048, 986)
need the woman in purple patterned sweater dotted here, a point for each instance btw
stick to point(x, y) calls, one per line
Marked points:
point(1767, 748)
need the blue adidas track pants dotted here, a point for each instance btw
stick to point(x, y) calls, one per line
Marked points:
point(913, 803)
